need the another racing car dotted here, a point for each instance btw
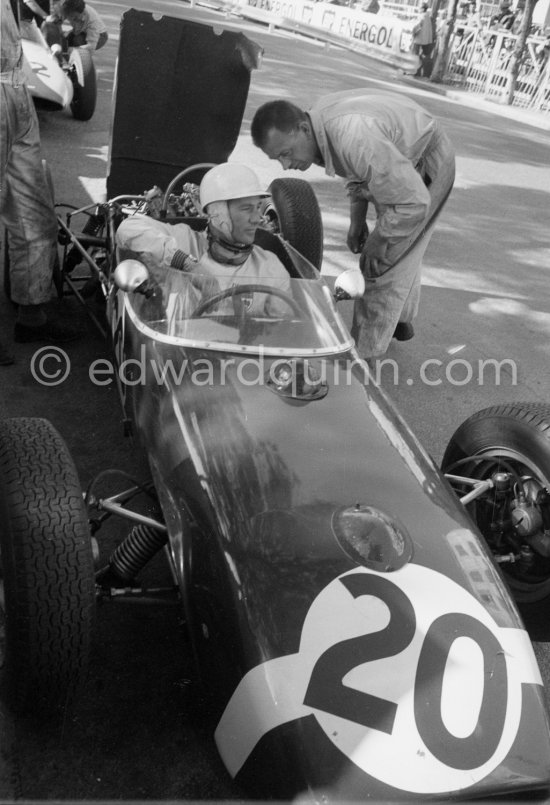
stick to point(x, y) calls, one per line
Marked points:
point(63, 79)
point(346, 615)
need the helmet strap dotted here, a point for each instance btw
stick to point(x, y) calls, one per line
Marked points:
point(223, 251)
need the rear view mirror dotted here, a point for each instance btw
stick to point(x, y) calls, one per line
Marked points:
point(349, 284)
point(130, 275)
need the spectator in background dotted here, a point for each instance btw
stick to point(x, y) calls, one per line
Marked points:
point(505, 16)
point(473, 16)
point(519, 12)
point(371, 7)
point(542, 52)
point(423, 41)
point(468, 18)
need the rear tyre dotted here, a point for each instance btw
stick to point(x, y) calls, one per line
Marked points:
point(513, 437)
point(85, 96)
point(294, 213)
point(47, 570)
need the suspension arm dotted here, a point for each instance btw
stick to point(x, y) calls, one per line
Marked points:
point(479, 487)
point(109, 505)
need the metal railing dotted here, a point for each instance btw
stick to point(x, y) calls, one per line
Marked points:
point(480, 62)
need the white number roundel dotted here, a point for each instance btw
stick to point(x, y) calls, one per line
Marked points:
point(406, 673)
point(421, 691)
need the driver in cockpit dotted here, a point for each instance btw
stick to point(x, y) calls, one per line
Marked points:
point(232, 198)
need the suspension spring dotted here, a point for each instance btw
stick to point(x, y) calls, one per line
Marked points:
point(141, 544)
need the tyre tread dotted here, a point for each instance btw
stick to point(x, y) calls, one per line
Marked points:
point(301, 222)
point(46, 541)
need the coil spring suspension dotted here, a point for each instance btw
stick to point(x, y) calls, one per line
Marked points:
point(141, 544)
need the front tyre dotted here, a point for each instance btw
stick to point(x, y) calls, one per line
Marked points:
point(47, 569)
point(85, 93)
point(513, 439)
point(294, 213)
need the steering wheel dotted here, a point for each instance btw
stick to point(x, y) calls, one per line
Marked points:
point(179, 177)
point(239, 290)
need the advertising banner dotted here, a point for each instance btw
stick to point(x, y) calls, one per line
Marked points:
point(380, 36)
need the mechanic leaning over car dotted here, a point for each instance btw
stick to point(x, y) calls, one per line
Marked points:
point(392, 152)
point(87, 26)
point(26, 205)
point(233, 199)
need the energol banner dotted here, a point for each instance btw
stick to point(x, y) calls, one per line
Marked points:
point(377, 35)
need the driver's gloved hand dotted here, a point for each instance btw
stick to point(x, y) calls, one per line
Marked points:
point(150, 289)
point(206, 284)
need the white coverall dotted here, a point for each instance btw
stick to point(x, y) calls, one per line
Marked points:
point(393, 153)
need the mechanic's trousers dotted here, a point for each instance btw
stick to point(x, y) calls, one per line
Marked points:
point(26, 204)
point(395, 295)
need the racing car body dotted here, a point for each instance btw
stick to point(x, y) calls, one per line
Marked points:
point(345, 614)
point(351, 622)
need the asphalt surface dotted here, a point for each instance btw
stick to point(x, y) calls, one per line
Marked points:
point(140, 732)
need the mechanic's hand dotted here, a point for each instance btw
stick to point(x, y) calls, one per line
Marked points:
point(373, 261)
point(357, 238)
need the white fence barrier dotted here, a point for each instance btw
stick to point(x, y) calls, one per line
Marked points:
point(480, 62)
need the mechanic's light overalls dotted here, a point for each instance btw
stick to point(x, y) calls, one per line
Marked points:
point(26, 207)
point(395, 295)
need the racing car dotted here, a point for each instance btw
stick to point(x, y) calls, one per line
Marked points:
point(345, 612)
point(61, 79)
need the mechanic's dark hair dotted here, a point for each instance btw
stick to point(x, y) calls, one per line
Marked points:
point(73, 6)
point(281, 115)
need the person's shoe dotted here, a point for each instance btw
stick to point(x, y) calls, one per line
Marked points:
point(6, 358)
point(51, 331)
point(404, 331)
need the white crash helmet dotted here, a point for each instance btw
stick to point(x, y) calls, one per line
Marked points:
point(229, 181)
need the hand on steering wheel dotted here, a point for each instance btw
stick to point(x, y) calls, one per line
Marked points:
point(239, 290)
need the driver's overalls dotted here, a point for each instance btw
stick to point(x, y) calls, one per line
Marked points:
point(160, 244)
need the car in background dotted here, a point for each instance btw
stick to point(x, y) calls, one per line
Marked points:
point(60, 79)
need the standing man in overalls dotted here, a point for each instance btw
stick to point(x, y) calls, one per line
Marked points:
point(392, 153)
